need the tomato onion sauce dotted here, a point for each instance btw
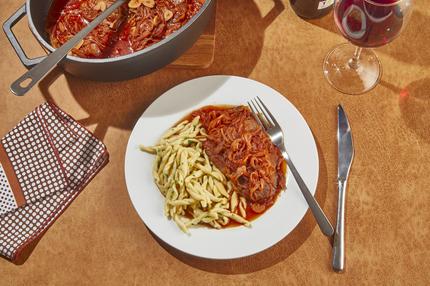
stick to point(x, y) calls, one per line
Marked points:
point(244, 153)
point(132, 27)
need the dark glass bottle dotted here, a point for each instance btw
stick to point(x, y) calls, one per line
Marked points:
point(311, 9)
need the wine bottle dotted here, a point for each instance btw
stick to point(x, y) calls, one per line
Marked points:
point(311, 9)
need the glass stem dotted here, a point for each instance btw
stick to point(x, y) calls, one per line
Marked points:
point(354, 62)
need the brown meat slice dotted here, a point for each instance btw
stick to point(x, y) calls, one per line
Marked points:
point(238, 146)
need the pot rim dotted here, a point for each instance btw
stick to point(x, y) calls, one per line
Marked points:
point(149, 49)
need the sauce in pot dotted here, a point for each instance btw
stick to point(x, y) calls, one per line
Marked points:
point(133, 27)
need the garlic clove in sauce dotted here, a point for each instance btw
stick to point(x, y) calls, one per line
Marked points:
point(79, 45)
point(156, 20)
point(100, 6)
point(133, 31)
point(167, 15)
point(61, 27)
point(148, 3)
point(133, 4)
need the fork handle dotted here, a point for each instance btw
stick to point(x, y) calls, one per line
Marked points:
point(319, 215)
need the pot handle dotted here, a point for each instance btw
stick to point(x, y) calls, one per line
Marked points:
point(7, 28)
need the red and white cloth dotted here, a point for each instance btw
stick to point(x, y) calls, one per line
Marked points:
point(45, 162)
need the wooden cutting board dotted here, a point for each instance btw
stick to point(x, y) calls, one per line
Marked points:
point(201, 54)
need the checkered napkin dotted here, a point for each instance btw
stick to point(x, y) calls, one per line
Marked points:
point(45, 162)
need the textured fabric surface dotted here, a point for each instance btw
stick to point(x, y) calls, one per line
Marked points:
point(33, 157)
point(100, 240)
point(53, 157)
point(7, 199)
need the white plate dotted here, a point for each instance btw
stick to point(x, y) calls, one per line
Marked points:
point(228, 243)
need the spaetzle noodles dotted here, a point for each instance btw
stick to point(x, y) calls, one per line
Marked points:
point(195, 191)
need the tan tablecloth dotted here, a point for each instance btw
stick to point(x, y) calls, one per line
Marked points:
point(100, 239)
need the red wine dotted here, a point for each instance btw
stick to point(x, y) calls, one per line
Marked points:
point(367, 24)
point(311, 9)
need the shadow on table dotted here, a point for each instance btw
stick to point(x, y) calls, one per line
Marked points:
point(326, 23)
point(119, 104)
point(414, 103)
point(23, 255)
point(411, 46)
point(240, 33)
point(271, 256)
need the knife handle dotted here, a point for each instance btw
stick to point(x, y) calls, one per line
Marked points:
point(339, 235)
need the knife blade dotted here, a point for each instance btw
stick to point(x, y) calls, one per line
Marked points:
point(345, 158)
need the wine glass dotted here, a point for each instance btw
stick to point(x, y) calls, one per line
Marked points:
point(355, 68)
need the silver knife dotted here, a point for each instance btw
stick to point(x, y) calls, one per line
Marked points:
point(345, 156)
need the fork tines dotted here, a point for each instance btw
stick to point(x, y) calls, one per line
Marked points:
point(261, 113)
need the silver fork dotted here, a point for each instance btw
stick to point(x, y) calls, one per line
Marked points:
point(273, 129)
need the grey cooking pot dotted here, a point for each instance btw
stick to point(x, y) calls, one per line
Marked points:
point(111, 69)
